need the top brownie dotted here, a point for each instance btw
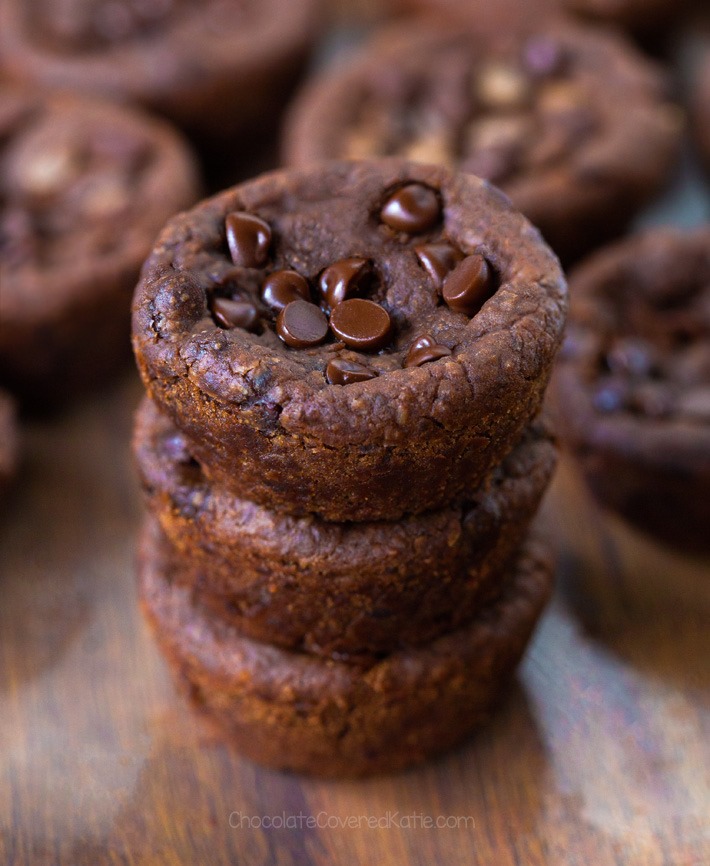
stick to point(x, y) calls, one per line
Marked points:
point(358, 340)
point(215, 67)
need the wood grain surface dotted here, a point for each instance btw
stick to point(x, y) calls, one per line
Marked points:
point(598, 756)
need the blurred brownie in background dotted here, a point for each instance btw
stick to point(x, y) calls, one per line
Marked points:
point(84, 189)
point(570, 121)
point(632, 386)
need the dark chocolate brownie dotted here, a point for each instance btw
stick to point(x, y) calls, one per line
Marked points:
point(84, 189)
point(440, 313)
point(216, 67)
point(632, 388)
point(379, 586)
point(9, 442)
point(570, 121)
point(298, 712)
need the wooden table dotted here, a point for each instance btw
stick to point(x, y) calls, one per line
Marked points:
point(599, 756)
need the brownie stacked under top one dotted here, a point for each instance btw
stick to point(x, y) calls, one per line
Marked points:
point(341, 459)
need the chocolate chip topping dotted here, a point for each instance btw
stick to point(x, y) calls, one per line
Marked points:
point(282, 287)
point(249, 238)
point(413, 209)
point(468, 286)
point(344, 279)
point(301, 324)
point(424, 350)
point(361, 324)
point(343, 372)
point(437, 260)
point(235, 314)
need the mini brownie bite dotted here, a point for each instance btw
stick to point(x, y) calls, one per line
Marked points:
point(84, 189)
point(379, 586)
point(632, 388)
point(570, 121)
point(323, 717)
point(9, 443)
point(216, 67)
point(358, 340)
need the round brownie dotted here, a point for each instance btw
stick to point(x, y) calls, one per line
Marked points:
point(570, 121)
point(632, 388)
point(298, 712)
point(9, 442)
point(84, 189)
point(358, 340)
point(379, 585)
point(216, 67)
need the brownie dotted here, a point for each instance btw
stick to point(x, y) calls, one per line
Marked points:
point(84, 189)
point(9, 443)
point(379, 585)
point(359, 340)
point(570, 121)
point(324, 717)
point(219, 69)
point(632, 388)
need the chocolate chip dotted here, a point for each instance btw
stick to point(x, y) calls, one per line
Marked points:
point(543, 56)
point(437, 260)
point(344, 279)
point(424, 350)
point(235, 314)
point(282, 287)
point(361, 324)
point(468, 286)
point(413, 209)
point(301, 324)
point(248, 238)
point(342, 372)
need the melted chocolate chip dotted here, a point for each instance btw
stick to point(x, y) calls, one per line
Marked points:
point(361, 324)
point(301, 324)
point(235, 314)
point(248, 238)
point(342, 372)
point(413, 209)
point(468, 286)
point(438, 260)
point(424, 350)
point(282, 287)
point(344, 279)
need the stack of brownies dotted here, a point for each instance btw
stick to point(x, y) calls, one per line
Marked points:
point(342, 454)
